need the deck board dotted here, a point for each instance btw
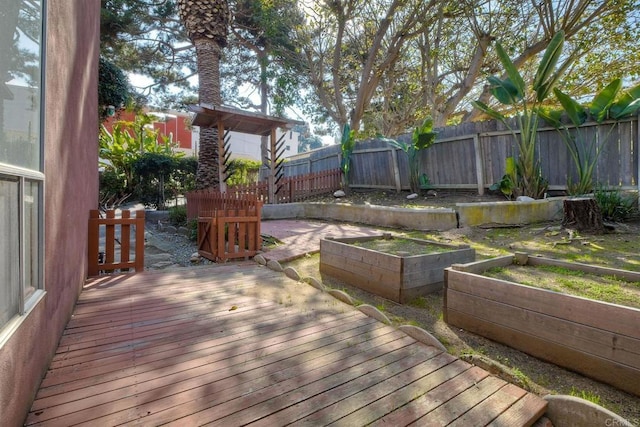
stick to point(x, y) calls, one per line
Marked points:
point(221, 346)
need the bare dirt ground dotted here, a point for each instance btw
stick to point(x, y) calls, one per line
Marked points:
point(619, 248)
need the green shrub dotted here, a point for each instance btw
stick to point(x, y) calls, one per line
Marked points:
point(243, 171)
point(614, 205)
point(112, 184)
point(178, 215)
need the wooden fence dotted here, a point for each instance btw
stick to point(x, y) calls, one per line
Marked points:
point(104, 258)
point(292, 188)
point(203, 203)
point(228, 224)
point(473, 156)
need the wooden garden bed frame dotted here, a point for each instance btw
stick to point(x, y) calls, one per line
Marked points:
point(597, 339)
point(399, 278)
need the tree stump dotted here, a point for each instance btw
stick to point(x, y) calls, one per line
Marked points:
point(583, 214)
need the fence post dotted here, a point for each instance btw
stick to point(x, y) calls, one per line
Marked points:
point(94, 242)
point(125, 235)
point(637, 148)
point(477, 148)
point(140, 219)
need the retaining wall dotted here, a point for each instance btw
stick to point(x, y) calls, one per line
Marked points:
point(465, 214)
point(381, 216)
point(510, 213)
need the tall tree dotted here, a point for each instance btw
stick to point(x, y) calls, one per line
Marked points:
point(206, 22)
point(443, 62)
point(146, 37)
point(263, 54)
point(586, 24)
point(350, 45)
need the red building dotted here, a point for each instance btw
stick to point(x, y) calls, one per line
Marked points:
point(175, 124)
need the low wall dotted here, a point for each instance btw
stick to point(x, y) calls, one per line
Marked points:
point(597, 339)
point(382, 216)
point(464, 215)
point(510, 213)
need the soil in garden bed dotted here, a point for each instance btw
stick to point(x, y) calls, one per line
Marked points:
point(602, 288)
point(400, 246)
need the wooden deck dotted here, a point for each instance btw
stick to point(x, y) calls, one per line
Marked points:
point(225, 346)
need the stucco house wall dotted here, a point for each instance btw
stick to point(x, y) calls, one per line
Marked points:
point(71, 190)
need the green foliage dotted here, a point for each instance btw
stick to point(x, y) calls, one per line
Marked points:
point(507, 184)
point(133, 159)
point(178, 215)
point(113, 87)
point(243, 171)
point(112, 189)
point(125, 41)
point(153, 169)
point(262, 44)
point(347, 144)
point(513, 92)
point(586, 395)
point(584, 151)
point(613, 204)
point(310, 142)
point(183, 177)
point(423, 137)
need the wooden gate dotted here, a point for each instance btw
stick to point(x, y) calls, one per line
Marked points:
point(103, 258)
point(230, 234)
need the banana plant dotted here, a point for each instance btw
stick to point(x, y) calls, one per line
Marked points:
point(127, 142)
point(347, 144)
point(585, 150)
point(513, 92)
point(423, 137)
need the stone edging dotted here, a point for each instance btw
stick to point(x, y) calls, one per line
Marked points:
point(563, 410)
point(414, 332)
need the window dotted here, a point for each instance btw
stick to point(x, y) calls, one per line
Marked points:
point(21, 177)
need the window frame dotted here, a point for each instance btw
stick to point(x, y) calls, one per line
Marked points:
point(25, 177)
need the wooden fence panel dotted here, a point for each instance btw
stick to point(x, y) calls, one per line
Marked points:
point(446, 163)
point(370, 168)
point(228, 224)
point(230, 234)
point(495, 151)
point(628, 161)
point(111, 257)
point(473, 156)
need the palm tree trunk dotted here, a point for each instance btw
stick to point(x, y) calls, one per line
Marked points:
point(208, 55)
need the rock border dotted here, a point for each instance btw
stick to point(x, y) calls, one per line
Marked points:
point(414, 332)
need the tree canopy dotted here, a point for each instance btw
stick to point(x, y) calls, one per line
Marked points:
point(378, 65)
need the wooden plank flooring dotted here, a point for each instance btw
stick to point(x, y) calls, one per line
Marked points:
point(225, 345)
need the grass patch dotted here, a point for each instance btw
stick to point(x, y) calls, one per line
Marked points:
point(609, 289)
point(399, 245)
point(586, 395)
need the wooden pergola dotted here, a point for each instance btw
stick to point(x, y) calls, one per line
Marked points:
point(232, 119)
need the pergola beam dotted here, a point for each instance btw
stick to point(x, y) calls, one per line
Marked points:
point(227, 118)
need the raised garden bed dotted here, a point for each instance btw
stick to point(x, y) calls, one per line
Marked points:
point(397, 268)
point(595, 338)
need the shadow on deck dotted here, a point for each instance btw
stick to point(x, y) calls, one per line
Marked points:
point(238, 344)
